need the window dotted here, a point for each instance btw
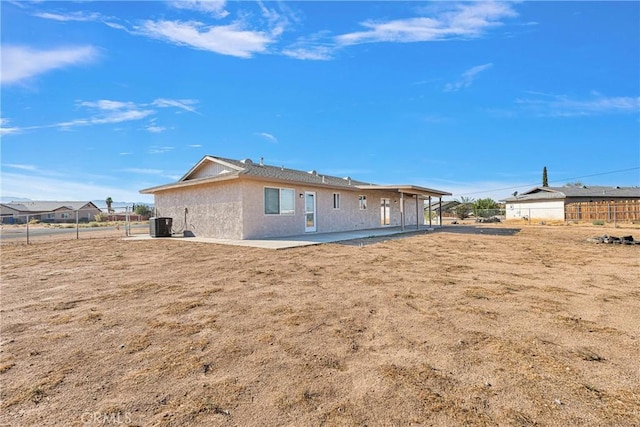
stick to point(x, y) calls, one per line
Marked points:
point(64, 215)
point(362, 200)
point(279, 201)
point(336, 200)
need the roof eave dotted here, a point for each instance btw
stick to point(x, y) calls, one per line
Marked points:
point(211, 159)
point(407, 189)
point(189, 183)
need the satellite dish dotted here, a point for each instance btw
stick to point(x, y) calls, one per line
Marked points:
point(515, 193)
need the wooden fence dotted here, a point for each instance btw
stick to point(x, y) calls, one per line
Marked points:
point(608, 211)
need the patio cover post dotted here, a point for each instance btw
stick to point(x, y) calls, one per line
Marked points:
point(429, 211)
point(440, 213)
point(418, 213)
point(401, 211)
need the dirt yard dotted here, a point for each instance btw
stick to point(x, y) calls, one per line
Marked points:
point(538, 328)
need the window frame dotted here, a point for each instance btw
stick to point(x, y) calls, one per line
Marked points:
point(280, 191)
point(362, 202)
point(336, 200)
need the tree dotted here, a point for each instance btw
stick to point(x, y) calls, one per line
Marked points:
point(143, 210)
point(486, 208)
point(545, 179)
point(463, 210)
point(109, 202)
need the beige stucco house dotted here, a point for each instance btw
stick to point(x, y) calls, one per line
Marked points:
point(232, 199)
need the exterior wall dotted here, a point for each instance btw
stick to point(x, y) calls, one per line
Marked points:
point(213, 210)
point(235, 210)
point(87, 213)
point(8, 215)
point(550, 209)
point(256, 224)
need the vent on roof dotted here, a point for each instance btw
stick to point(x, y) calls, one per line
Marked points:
point(247, 161)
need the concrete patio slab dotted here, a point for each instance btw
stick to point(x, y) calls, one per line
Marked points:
point(293, 241)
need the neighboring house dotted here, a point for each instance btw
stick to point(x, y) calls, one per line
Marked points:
point(233, 199)
point(48, 211)
point(576, 203)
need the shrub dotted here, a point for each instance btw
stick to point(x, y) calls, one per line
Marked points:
point(598, 222)
point(101, 217)
point(486, 208)
point(463, 210)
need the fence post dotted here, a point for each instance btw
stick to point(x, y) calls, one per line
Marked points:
point(614, 215)
point(127, 223)
point(77, 227)
point(27, 229)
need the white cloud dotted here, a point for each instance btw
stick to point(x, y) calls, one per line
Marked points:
point(314, 47)
point(108, 112)
point(106, 104)
point(21, 167)
point(159, 150)
point(156, 129)
point(73, 16)
point(268, 137)
point(144, 171)
point(115, 26)
point(107, 118)
point(194, 145)
point(314, 53)
point(225, 39)
point(5, 129)
point(467, 78)
point(467, 20)
point(185, 104)
point(563, 106)
point(20, 62)
point(216, 8)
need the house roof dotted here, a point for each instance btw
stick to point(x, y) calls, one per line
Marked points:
point(36, 206)
point(555, 193)
point(237, 169)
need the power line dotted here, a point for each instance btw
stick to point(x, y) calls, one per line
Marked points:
point(557, 180)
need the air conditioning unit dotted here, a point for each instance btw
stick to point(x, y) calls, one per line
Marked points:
point(160, 226)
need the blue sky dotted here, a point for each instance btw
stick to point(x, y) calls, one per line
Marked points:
point(106, 98)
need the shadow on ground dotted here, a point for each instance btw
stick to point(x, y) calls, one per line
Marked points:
point(459, 229)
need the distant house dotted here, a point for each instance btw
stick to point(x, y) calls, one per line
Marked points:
point(444, 208)
point(48, 211)
point(234, 199)
point(576, 203)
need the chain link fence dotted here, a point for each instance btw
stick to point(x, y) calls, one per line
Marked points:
point(68, 224)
